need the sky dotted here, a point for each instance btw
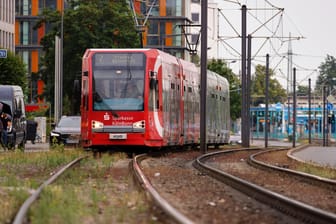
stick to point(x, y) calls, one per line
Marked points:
point(310, 24)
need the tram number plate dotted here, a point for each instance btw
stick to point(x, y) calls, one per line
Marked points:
point(118, 136)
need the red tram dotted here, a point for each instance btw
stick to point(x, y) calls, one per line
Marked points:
point(148, 98)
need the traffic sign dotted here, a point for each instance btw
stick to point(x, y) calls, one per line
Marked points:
point(330, 106)
point(3, 53)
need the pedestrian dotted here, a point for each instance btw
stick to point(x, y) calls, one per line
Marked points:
point(1, 125)
point(6, 120)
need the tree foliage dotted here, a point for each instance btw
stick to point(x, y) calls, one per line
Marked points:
point(302, 90)
point(276, 92)
point(327, 74)
point(221, 68)
point(86, 24)
point(13, 70)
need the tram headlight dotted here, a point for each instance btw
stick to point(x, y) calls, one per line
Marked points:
point(139, 125)
point(97, 125)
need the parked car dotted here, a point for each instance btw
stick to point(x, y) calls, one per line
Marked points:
point(67, 131)
point(235, 139)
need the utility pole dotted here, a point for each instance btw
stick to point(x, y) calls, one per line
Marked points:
point(309, 110)
point(244, 131)
point(324, 116)
point(289, 79)
point(248, 89)
point(204, 55)
point(294, 106)
point(266, 100)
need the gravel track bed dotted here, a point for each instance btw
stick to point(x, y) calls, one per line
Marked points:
point(235, 164)
point(202, 198)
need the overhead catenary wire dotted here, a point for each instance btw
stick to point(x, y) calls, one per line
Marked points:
point(273, 33)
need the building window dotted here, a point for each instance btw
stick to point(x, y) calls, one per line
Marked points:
point(153, 33)
point(153, 27)
point(145, 6)
point(28, 34)
point(152, 40)
point(195, 17)
point(51, 4)
point(171, 8)
point(23, 7)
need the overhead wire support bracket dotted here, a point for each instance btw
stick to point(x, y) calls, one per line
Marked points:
point(192, 50)
point(141, 27)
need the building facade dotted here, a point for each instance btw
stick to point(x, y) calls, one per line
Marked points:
point(174, 26)
point(195, 15)
point(27, 41)
point(165, 24)
point(7, 24)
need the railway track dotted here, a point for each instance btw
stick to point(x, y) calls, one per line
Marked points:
point(158, 200)
point(189, 196)
point(21, 215)
point(98, 189)
point(259, 184)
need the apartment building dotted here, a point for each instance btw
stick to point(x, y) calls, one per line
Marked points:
point(27, 41)
point(7, 24)
point(165, 26)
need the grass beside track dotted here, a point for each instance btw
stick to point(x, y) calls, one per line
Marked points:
point(97, 190)
point(21, 173)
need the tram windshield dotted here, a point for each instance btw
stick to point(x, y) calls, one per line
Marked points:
point(118, 81)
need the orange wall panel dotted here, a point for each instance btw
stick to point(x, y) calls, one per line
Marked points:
point(34, 61)
point(137, 6)
point(40, 33)
point(34, 9)
point(60, 5)
point(162, 7)
point(17, 33)
point(169, 31)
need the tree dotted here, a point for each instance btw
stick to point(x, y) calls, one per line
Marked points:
point(13, 71)
point(221, 68)
point(327, 75)
point(276, 92)
point(86, 24)
point(302, 90)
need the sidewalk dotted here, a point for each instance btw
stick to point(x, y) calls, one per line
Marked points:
point(36, 146)
point(325, 156)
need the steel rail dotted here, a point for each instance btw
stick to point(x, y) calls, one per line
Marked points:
point(289, 206)
point(159, 201)
point(21, 215)
point(317, 180)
